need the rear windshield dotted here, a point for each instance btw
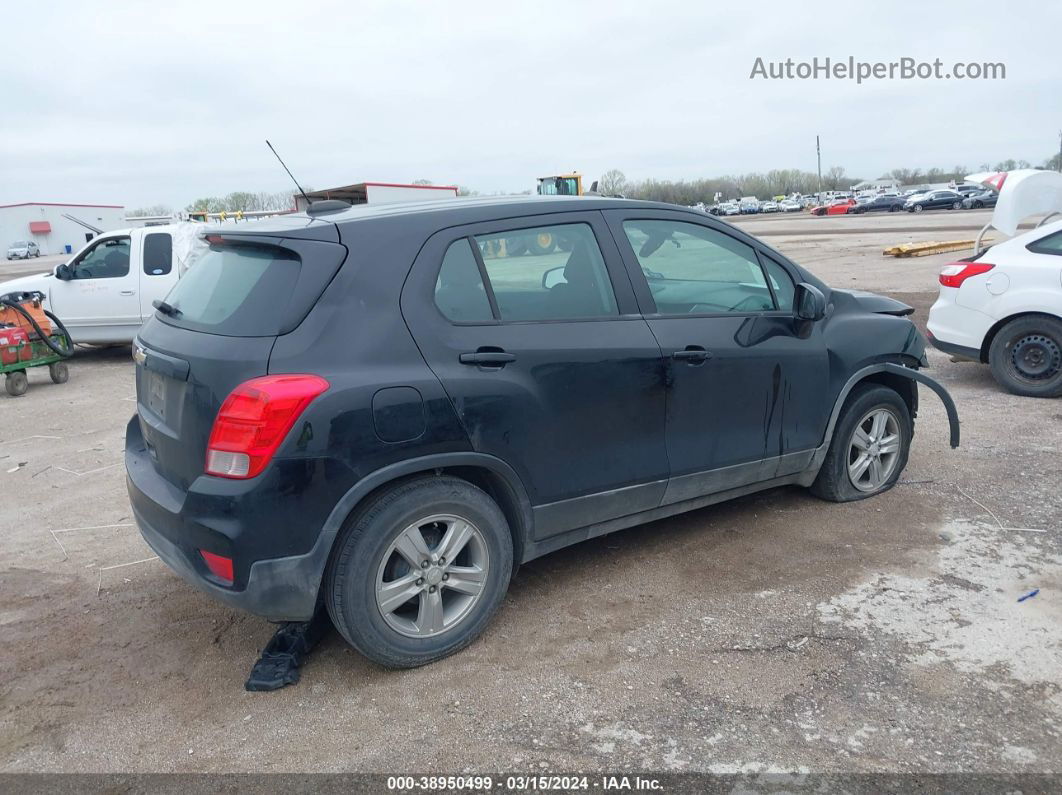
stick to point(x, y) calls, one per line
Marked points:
point(235, 290)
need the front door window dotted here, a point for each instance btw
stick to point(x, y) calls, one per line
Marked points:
point(108, 259)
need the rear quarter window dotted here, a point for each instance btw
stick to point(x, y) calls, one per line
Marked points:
point(1052, 244)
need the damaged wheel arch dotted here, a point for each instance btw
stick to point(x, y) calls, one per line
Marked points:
point(893, 370)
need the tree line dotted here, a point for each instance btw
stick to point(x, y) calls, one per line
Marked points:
point(247, 201)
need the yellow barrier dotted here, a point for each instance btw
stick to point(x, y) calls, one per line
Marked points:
point(935, 247)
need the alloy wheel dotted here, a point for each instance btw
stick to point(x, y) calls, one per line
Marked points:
point(432, 575)
point(874, 450)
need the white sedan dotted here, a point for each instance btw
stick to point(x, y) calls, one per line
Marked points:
point(1003, 307)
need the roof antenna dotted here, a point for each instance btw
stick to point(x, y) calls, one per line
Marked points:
point(297, 185)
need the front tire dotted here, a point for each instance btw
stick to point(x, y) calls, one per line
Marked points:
point(419, 571)
point(918, 208)
point(16, 383)
point(1026, 356)
point(869, 447)
point(956, 205)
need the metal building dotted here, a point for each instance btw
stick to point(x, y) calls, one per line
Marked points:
point(55, 226)
point(377, 192)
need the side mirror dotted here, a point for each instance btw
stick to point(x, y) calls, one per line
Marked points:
point(64, 272)
point(553, 277)
point(810, 302)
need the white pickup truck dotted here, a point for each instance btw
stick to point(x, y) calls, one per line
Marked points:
point(103, 294)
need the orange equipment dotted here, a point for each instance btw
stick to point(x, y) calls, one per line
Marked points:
point(32, 307)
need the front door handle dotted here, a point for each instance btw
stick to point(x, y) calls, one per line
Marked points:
point(694, 354)
point(128, 292)
point(487, 358)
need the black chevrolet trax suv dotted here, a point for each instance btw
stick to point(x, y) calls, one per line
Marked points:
point(384, 410)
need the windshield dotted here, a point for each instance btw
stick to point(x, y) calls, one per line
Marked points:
point(558, 186)
point(19, 244)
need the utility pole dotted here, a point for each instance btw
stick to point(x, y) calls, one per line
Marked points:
point(818, 156)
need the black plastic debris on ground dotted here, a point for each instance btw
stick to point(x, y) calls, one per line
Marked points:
point(286, 651)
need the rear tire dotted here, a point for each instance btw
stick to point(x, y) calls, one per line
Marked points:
point(849, 471)
point(1026, 356)
point(372, 554)
point(542, 243)
point(515, 246)
point(59, 372)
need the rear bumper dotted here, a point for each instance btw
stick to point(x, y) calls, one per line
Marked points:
point(955, 350)
point(277, 589)
point(174, 525)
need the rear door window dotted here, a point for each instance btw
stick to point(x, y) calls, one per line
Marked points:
point(547, 273)
point(158, 253)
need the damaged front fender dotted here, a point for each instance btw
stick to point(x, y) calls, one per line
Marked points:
point(906, 372)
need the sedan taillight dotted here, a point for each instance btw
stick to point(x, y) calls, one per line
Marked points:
point(955, 273)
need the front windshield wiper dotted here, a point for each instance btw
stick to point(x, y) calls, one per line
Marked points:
point(166, 309)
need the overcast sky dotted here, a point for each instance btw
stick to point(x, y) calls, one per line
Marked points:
point(144, 103)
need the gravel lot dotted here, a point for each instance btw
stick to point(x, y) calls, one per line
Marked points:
point(772, 633)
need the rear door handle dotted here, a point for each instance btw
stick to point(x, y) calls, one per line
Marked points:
point(694, 354)
point(487, 358)
point(128, 292)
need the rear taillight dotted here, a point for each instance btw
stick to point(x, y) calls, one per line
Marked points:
point(955, 273)
point(253, 421)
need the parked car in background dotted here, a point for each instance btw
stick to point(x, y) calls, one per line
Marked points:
point(835, 207)
point(749, 205)
point(968, 190)
point(106, 289)
point(790, 206)
point(397, 463)
point(1003, 308)
point(975, 201)
point(23, 249)
point(769, 207)
point(883, 203)
point(933, 200)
